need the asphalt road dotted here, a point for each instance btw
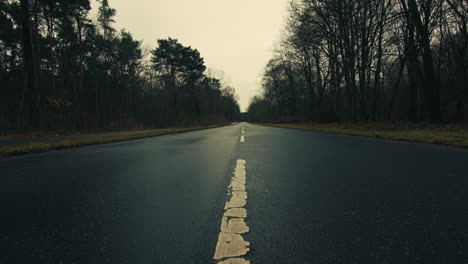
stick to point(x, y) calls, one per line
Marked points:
point(312, 198)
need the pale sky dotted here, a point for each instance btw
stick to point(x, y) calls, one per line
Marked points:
point(235, 36)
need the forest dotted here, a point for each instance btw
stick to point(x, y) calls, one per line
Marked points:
point(59, 70)
point(368, 60)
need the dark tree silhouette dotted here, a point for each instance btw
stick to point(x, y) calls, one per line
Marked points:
point(350, 60)
point(59, 71)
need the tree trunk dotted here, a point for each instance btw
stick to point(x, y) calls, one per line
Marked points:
point(31, 81)
point(431, 85)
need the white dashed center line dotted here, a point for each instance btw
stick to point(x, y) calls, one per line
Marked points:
point(242, 139)
point(231, 245)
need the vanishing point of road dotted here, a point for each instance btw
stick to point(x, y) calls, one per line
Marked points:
point(279, 195)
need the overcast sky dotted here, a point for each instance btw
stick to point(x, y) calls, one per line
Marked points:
point(235, 36)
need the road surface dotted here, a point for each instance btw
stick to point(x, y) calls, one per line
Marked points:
point(311, 198)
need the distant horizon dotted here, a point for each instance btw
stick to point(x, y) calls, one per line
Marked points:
point(239, 42)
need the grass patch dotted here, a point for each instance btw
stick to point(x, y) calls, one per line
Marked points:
point(34, 147)
point(40, 133)
point(447, 134)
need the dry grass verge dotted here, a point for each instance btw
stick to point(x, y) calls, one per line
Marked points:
point(34, 147)
point(447, 134)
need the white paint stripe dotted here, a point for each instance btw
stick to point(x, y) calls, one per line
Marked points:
point(235, 261)
point(231, 244)
point(235, 201)
point(242, 194)
point(234, 225)
point(242, 139)
point(236, 212)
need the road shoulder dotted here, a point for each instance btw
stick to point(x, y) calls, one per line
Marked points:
point(35, 147)
point(446, 134)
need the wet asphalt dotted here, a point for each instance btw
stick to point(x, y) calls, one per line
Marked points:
point(312, 198)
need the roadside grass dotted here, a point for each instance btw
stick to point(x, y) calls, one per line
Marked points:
point(34, 147)
point(446, 134)
point(40, 133)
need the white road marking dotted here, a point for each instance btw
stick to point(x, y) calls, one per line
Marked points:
point(235, 202)
point(236, 212)
point(230, 243)
point(242, 139)
point(234, 225)
point(242, 194)
point(239, 175)
point(235, 261)
point(238, 184)
point(241, 161)
point(238, 187)
point(239, 167)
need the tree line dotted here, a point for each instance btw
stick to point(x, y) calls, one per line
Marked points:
point(368, 60)
point(60, 70)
